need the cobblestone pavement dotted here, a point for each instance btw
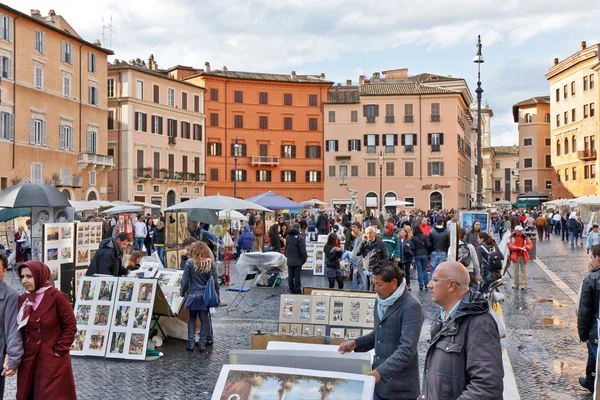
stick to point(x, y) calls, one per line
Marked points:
point(542, 343)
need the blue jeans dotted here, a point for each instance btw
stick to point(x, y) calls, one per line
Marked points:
point(139, 243)
point(161, 254)
point(590, 369)
point(358, 280)
point(572, 237)
point(437, 257)
point(421, 262)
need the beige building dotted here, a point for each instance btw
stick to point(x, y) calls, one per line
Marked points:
point(399, 137)
point(486, 153)
point(504, 173)
point(533, 117)
point(574, 122)
point(156, 134)
point(53, 105)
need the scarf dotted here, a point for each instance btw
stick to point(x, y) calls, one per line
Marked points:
point(43, 281)
point(384, 304)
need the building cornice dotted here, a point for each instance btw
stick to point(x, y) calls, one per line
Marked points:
point(569, 62)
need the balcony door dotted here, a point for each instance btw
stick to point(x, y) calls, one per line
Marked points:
point(264, 152)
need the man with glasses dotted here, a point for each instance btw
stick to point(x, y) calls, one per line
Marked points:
point(464, 359)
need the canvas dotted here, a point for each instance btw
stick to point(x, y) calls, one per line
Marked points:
point(352, 312)
point(182, 227)
point(244, 382)
point(170, 283)
point(172, 259)
point(171, 229)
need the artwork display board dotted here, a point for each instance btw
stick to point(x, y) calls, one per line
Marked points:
point(254, 381)
point(93, 314)
point(303, 309)
point(57, 248)
point(466, 219)
point(49, 215)
point(87, 240)
point(172, 259)
point(79, 273)
point(305, 330)
point(131, 318)
point(182, 227)
point(260, 341)
point(352, 312)
point(171, 232)
point(125, 223)
point(319, 268)
point(309, 265)
point(170, 283)
point(337, 292)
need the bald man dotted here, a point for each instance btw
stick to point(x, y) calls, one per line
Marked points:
point(464, 359)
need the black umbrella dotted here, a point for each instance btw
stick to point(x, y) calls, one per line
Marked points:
point(32, 195)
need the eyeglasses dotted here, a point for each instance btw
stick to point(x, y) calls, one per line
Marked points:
point(436, 280)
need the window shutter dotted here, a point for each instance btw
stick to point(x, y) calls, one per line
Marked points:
point(219, 149)
point(441, 168)
point(96, 96)
point(366, 140)
point(395, 139)
point(31, 130)
point(43, 133)
point(349, 145)
point(293, 176)
point(429, 169)
point(429, 139)
point(282, 152)
point(174, 128)
point(88, 145)
point(90, 95)
point(364, 111)
point(136, 123)
point(244, 176)
point(43, 42)
point(268, 176)
point(294, 151)
point(11, 126)
point(89, 62)
point(414, 139)
point(233, 175)
point(319, 152)
point(318, 176)
point(257, 175)
point(160, 125)
point(441, 138)
point(358, 145)
point(337, 148)
point(1, 26)
point(10, 28)
point(244, 150)
point(327, 145)
point(232, 149)
point(377, 110)
point(9, 68)
point(282, 176)
point(307, 176)
point(402, 139)
point(376, 140)
point(62, 136)
point(71, 139)
point(306, 156)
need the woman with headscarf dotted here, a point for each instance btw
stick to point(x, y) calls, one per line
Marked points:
point(48, 325)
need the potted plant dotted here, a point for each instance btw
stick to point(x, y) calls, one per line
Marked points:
point(55, 178)
point(76, 180)
point(165, 173)
point(16, 180)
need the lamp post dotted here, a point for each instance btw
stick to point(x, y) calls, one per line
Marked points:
point(479, 60)
point(380, 180)
point(236, 146)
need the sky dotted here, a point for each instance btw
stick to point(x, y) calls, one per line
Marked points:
point(348, 38)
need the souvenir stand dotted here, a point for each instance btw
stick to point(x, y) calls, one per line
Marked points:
point(176, 230)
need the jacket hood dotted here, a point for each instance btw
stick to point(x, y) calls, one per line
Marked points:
point(246, 228)
point(108, 243)
point(293, 231)
point(439, 230)
point(472, 303)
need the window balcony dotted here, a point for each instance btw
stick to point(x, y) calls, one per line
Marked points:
point(371, 149)
point(435, 118)
point(371, 120)
point(589, 154)
point(172, 140)
point(264, 160)
point(390, 149)
point(72, 182)
point(390, 119)
point(95, 160)
point(409, 148)
point(435, 148)
point(409, 118)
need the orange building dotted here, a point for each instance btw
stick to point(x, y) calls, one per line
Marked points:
point(278, 122)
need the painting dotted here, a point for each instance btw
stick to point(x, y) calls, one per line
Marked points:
point(39, 217)
point(242, 382)
point(171, 233)
point(171, 258)
point(182, 227)
point(88, 236)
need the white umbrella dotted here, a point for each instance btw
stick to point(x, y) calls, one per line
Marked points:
point(83, 205)
point(313, 201)
point(586, 201)
point(217, 202)
point(136, 203)
point(123, 209)
point(399, 203)
point(233, 215)
point(502, 203)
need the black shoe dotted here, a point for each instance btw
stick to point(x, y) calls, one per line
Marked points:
point(190, 346)
point(583, 382)
point(202, 348)
point(420, 288)
point(208, 343)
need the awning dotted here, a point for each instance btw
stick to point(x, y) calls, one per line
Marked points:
point(526, 203)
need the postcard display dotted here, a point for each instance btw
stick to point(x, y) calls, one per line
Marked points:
point(113, 317)
point(316, 260)
point(88, 236)
point(57, 254)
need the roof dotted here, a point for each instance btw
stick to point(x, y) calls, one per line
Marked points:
point(506, 150)
point(260, 76)
point(402, 88)
point(529, 102)
point(181, 67)
point(116, 66)
point(62, 32)
point(428, 77)
point(343, 95)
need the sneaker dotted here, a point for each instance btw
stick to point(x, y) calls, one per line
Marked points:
point(420, 288)
point(515, 286)
point(583, 382)
point(208, 343)
point(202, 348)
point(523, 287)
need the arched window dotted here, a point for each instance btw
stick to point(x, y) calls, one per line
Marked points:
point(547, 118)
point(436, 201)
point(528, 118)
point(566, 145)
point(92, 196)
point(574, 144)
point(558, 148)
point(371, 200)
point(171, 198)
point(67, 194)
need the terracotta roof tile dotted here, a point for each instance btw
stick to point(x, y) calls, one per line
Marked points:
point(343, 96)
point(401, 88)
point(534, 100)
point(259, 76)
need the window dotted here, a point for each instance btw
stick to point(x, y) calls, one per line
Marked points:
point(313, 176)
point(287, 99)
point(528, 118)
point(435, 168)
point(172, 127)
point(497, 165)
point(592, 109)
point(410, 200)
point(288, 151)
point(565, 92)
point(263, 122)
point(371, 169)
point(288, 176)
point(557, 95)
point(592, 171)
point(591, 81)
point(185, 130)
point(548, 184)
point(586, 143)
point(91, 62)
point(110, 92)
point(214, 173)
point(93, 95)
point(435, 140)
point(573, 144)
point(548, 161)
point(93, 178)
point(409, 168)
point(547, 118)
point(214, 119)
point(157, 124)
point(312, 124)
point(110, 188)
point(390, 142)
point(156, 94)
point(263, 98)
point(370, 111)
point(389, 168)
point(263, 175)
point(238, 96)
point(566, 174)
point(573, 88)
point(528, 183)
point(331, 116)
point(156, 164)
point(39, 76)
point(8, 125)
point(140, 122)
point(139, 90)
point(184, 98)
point(196, 103)
point(586, 172)
point(171, 97)
point(312, 100)
point(371, 142)
point(558, 176)
point(214, 94)
point(67, 85)
point(585, 111)
point(558, 148)
point(435, 112)
point(574, 173)
point(66, 137)
point(238, 121)
point(40, 41)
point(198, 132)
point(354, 116)
point(331, 145)
point(287, 123)
point(389, 113)
point(566, 117)
point(332, 171)
point(214, 149)
point(36, 173)
point(92, 142)
point(239, 151)
point(585, 83)
point(573, 115)
point(408, 113)
point(353, 145)
point(528, 163)
point(566, 145)
point(557, 120)
point(497, 185)
point(37, 131)
point(354, 170)
point(6, 67)
point(66, 54)
point(528, 142)
point(547, 142)
point(313, 151)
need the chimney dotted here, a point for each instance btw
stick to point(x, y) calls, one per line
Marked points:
point(97, 43)
point(322, 76)
point(583, 45)
point(35, 13)
point(293, 75)
point(207, 66)
point(51, 13)
point(556, 61)
point(224, 68)
point(361, 80)
point(348, 82)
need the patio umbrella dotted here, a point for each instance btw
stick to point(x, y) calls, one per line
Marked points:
point(8, 214)
point(123, 209)
point(313, 201)
point(217, 202)
point(136, 203)
point(32, 195)
point(273, 201)
point(587, 201)
point(234, 215)
point(203, 215)
point(398, 203)
point(501, 203)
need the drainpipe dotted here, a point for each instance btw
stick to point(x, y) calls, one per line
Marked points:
point(421, 140)
point(225, 143)
point(120, 122)
point(80, 99)
point(14, 143)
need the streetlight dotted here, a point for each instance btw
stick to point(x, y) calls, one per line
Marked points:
point(236, 146)
point(479, 60)
point(380, 180)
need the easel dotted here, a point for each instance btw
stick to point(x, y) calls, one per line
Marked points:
point(161, 309)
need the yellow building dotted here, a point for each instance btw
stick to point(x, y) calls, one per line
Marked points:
point(53, 105)
point(574, 122)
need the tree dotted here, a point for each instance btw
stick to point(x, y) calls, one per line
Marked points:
point(328, 386)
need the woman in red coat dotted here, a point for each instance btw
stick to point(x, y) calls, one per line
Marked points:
point(48, 326)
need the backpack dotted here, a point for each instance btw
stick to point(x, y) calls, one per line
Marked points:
point(494, 259)
point(464, 255)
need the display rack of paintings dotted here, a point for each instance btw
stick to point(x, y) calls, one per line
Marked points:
point(304, 309)
point(171, 233)
point(79, 273)
point(93, 313)
point(319, 268)
point(172, 259)
point(88, 238)
point(170, 283)
point(125, 223)
point(131, 318)
point(182, 226)
point(57, 248)
point(309, 265)
point(352, 311)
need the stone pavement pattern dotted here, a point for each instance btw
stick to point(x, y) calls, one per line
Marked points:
point(542, 342)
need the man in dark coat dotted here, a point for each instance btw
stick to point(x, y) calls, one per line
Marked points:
point(107, 260)
point(372, 251)
point(322, 224)
point(587, 318)
point(464, 358)
point(398, 323)
point(295, 252)
point(11, 340)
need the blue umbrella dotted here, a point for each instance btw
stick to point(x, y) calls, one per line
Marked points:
point(273, 201)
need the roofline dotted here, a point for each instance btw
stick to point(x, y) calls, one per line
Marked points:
point(30, 18)
point(515, 107)
point(256, 80)
point(112, 67)
point(181, 67)
point(574, 59)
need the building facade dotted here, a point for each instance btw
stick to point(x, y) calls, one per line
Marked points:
point(487, 153)
point(505, 173)
point(53, 105)
point(156, 134)
point(277, 121)
point(533, 117)
point(396, 137)
point(574, 123)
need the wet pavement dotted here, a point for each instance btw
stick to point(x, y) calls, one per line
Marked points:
point(542, 341)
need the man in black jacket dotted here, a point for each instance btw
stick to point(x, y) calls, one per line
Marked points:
point(372, 251)
point(107, 260)
point(295, 251)
point(587, 318)
point(439, 237)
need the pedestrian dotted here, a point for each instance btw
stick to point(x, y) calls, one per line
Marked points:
point(198, 269)
point(390, 240)
point(295, 252)
point(467, 256)
point(322, 224)
point(134, 260)
point(556, 222)
point(140, 231)
point(464, 358)
point(405, 254)
point(108, 258)
point(22, 242)
point(245, 241)
point(11, 340)
point(311, 227)
point(540, 224)
point(593, 238)
point(563, 227)
point(372, 251)
point(149, 232)
point(395, 338)
point(332, 262)
point(259, 233)
point(440, 243)
point(358, 273)
point(48, 326)
point(473, 234)
point(274, 239)
point(549, 225)
point(514, 221)
point(422, 246)
point(158, 237)
point(579, 231)
point(187, 247)
point(519, 246)
point(587, 319)
point(490, 271)
point(572, 228)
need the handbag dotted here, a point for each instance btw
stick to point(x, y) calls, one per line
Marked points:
point(211, 298)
